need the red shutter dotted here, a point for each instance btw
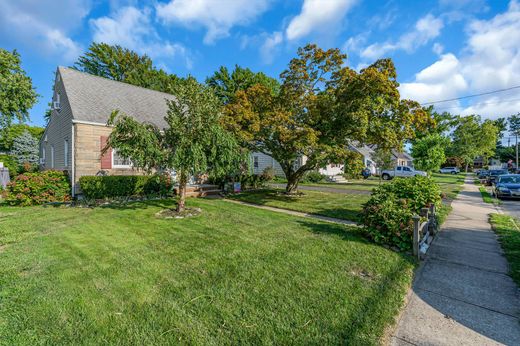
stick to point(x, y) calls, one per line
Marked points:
point(106, 159)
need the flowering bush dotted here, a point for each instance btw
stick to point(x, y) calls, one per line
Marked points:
point(387, 216)
point(38, 188)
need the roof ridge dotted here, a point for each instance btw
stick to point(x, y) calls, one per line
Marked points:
point(111, 80)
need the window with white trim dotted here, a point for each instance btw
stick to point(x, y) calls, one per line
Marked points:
point(66, 153)
point(119, 161)
point(255, 161)
point(43, 153)
point(52, 156)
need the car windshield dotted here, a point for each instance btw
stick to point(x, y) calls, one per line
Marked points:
point(510, 179)
point(498, 172)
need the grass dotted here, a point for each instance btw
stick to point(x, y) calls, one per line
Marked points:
point(509, 235)
point(486, 196)
point(338, 205)
point(233, 275)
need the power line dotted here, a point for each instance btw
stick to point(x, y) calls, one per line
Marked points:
point(469, 96)
point(479, 104)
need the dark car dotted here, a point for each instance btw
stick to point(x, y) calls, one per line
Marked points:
point(493, 174)
point(483, 174)
point(507, 186)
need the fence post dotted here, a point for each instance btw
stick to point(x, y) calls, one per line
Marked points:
point(416, 225)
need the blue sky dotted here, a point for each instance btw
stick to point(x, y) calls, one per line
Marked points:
point(442, 48)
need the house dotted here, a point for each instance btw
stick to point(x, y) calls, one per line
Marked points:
point(399, 158)
point(77, 130)
point(261, 161)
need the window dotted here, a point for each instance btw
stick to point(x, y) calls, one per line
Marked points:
point(120, 162)
point(399, 168)
point(66, 153)
point(52, 156)
point(407, 169)
point(43, 153)
point(255, 161)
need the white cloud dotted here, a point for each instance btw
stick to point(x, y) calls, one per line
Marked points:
point(438, 48)
point(316, 15)
point(217, 16)
point(131, 28)
point(45, 26)
point(489, 61)
point(269, 46)
point(426, 29)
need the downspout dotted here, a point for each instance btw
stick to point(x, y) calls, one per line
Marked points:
point(73, 163)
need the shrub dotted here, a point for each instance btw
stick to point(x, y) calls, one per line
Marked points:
point(11, 164)
point(110, 186)
point(268, 174)
point(313, 177)
point(387, 216)
point(353, 165)
point(38, 188)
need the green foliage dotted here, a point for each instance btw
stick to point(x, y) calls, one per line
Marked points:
point(106, 187)
point(514, 124)
point(15, 130)
point(194, 141)
point(38, 188)
point(383, 158)
point(429, 152)
point(509, 236)
point(268, 174)
point(226, 85)
point(25, 149)
point(321, 105)
point(387, 216)
point(353, 165)
point(124, 65)
point(17, 94)
point(472, 138)
point(313, 177)
point(11, 164)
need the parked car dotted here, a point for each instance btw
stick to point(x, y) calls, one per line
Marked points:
point(493, 174)
point(507, 186)
point(449, 170)
point(401, 171)
point(483, 174)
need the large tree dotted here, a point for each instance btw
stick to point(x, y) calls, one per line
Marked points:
point(15, 130)
point(321, 106)
point(472, 138)
point(194, 141)
point(17, 94)
point(429, 152)
point(124, 65)
point(227, 84)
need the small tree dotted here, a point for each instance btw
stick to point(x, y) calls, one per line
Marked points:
point(193, 143)
point(429, 152)
point(383, 159)
point(17, 94)
point(25, 149)
point(353, 165)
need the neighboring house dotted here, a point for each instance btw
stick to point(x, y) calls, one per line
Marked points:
point(77, 130)
point(367, 152)
point(261, 161)
point(402, 158)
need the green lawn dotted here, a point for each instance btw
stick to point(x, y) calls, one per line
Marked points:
point(509, 235)
point(338, 205)
point(233, 275)
point(486, 196)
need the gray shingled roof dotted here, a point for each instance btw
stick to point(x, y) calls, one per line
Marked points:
point(93, 98)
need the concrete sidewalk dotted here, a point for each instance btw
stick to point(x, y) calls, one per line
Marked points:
point(462, 294)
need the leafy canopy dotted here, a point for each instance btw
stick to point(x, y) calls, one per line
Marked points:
point(124, 65)
point(193, 143)
point(25, 149)
point(429, 152)
point(7, 137)
point(227, 84)
point(17, 94)
point(321, 106)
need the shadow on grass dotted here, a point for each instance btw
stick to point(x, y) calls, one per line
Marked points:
point(345, 232)
point(135, 205)
point(276, 199)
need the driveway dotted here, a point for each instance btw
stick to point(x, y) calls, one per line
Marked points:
point(325, 189)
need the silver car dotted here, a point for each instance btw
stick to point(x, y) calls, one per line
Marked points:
point(449, 170)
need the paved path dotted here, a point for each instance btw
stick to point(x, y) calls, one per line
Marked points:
point(462, 294)
point(295, 213)
point(325, 189)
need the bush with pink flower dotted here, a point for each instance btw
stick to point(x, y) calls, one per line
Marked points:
point(38, 188)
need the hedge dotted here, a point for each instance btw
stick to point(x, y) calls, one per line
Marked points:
point(103, 187)
point(38, 188)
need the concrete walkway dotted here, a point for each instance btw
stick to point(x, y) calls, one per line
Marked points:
point(295, 213)
point(462, 294)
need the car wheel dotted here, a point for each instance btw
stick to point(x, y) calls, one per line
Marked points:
point(385, 176)
point(453, 172)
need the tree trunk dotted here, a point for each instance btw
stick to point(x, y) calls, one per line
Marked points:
point(181, 205)
point(292, 184)
point(467, 166)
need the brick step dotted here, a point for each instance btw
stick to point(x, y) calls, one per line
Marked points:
point(202, 193)
point(198, 188)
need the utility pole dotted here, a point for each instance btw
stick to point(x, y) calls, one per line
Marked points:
point(516, 136)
